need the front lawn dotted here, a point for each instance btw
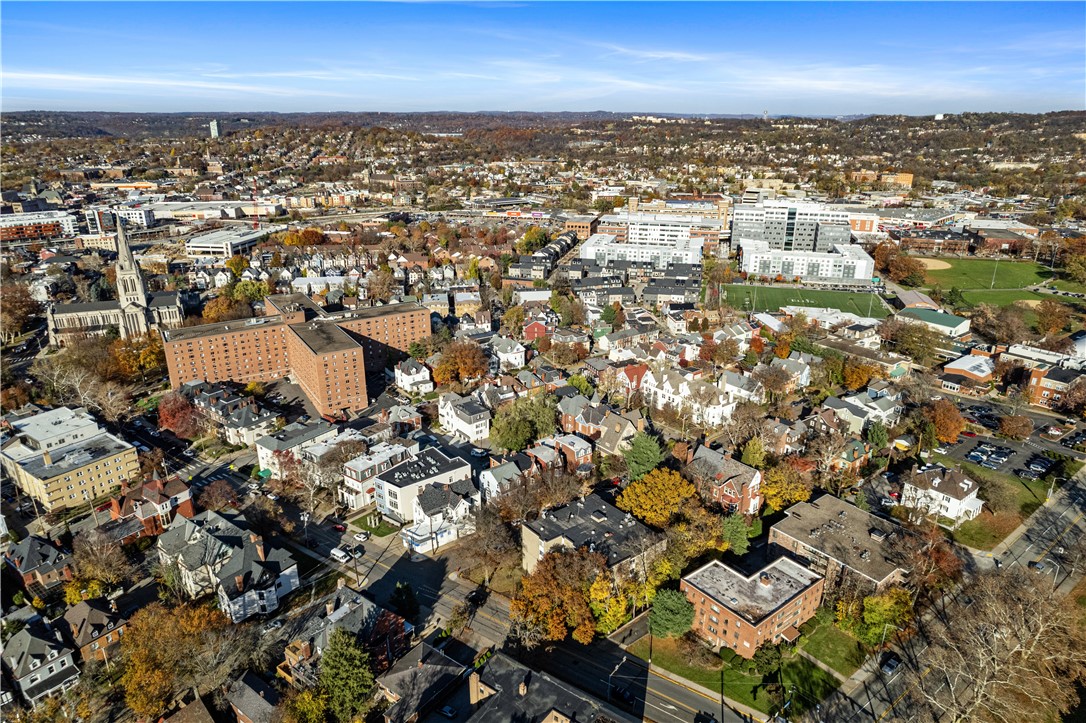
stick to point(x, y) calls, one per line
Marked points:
point(835, 648)
point(979, 274)
point(986, 530)
point(381, 529)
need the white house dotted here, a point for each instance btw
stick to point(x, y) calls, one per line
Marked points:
point(510, 352)
point(357, 490)
point(741, 387)
point(414, 377)
point(463, 417)
point(948, 493)
point(395, 490)
point(443, 513)
point(290, 440)
point(703, 402)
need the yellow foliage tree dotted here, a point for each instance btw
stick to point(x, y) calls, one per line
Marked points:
point(656, 497)
point(783, 486)
point(611, 610)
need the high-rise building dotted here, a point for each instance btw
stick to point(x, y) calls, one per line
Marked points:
point(214, 125)
point(791, 225)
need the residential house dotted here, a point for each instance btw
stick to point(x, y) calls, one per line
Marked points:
point(464, 417)
point(396, 489)
point(39, 662)
point(251, 699)
point(290, 441)
point(570, 336)
point(596, 524)
point(401, 418)
point(743, 612)
point(40, 563)
point(148, 510)
point(699, 401)
point(501, 475)
point(741, 387)
point(618, 431)
point(357, 490)
point(414, 377)
point(216, 553)
point(945, 493)
point(783, 437)
point(511, 353)
point(383, 634)
point(798, 371)
point(95, 628)
point(734, 486)
point(418, 683)
point(837, 539)
point(533, 330)
point(442, 514)
point(852, 458)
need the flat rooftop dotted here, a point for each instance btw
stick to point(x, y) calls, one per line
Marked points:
point(371, 312)
point(287, 303)
point(843, 532)
point(221, 327)
point(324, 337)
point(75, 456)
point(594, 523)
point(429, 463)
point(755, 597)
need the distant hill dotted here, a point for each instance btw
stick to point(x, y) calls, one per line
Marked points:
point(90, 124)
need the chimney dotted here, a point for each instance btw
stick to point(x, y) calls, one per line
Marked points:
point(258, 543)
point(239, 580)
point(475, 693)
point(46, 457)
point(765, 579)
point(522, 689)
point(640, 424)
point(341, 583)
point(330, 607)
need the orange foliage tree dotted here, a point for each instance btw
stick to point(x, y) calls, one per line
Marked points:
point(555, 598)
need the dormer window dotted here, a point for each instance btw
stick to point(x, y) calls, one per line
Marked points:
point(52, 654)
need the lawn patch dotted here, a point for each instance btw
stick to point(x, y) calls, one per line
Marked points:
point(772, 298)
point(987, 274)
point(1002, 297)
point(811, 683)
point(986, 530)
point(364, 522)
point(835, 648)
point(746, 689)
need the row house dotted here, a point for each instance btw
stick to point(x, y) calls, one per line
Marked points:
point(357, 490)
point(703, 402)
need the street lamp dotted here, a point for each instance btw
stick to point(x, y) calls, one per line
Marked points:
point(1056, 574)
point(612, 674)
point(884, 627)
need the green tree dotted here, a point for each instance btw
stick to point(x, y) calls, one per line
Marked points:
point(754, 453)
point(878, 436)
point(404, 601)
point(582, 385)
point(517, 425)
point(607, 314)
point(643, 456)
point(418, 350)
point(346, 676)
point(671, 615)
point(734, 530)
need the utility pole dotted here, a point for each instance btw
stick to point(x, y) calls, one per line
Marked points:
point(611, 675)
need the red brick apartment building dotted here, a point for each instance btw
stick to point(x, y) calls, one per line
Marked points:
point(741, 613)
point(327, 354)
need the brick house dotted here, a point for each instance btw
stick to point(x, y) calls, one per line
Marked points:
point(39, 562)
point(741, 613)
point(148, 510)
point(95, 627)
point(734, 486)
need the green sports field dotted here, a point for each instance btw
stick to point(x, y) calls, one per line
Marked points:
point(1002, 297)
point(772, 298)
point(978, 274)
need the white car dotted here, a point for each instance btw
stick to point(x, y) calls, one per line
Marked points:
point(272, 496)
point(361, 536)
point(254, 486)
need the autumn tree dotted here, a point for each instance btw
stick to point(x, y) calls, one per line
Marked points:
point(554, 599)
point(1052, 317)
point(460, 361)
point(946, 418)
point(381, 285)
point(225, 308)
point(857, 374)
point(17, 309)
point(493, 544)
point(754, 453)
point(237, 264)
point(1015, 426)
point(656, 497)
point(177, 414)
point(643, 455)
point(217, 496)
point(513, 319)
point(1017, 652)
point(783, 486)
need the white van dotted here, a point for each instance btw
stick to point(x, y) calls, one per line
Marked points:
point(339, 555)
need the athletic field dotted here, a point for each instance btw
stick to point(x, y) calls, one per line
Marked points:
point(772, 298)
point(978, 274)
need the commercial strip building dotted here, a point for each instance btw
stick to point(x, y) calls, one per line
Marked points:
point(742, 612)
point(327, 354)
point(842, 263)
point(225, 242)
point(63, 458)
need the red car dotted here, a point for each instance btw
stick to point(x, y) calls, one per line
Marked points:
point(969, 434)
point(339, 528)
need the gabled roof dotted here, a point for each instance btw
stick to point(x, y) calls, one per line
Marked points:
point(253, 698)
point(33, 552)
point(90, 620)
point(721, 470)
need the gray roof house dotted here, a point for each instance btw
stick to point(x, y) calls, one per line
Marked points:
point(40, 662)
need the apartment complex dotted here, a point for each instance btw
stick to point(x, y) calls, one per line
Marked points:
point(659, 238)
point(37, 225)
point(839, 263)
point(328, 355)
point(706, 208)
point(102, 220)
point(63, 458)
point(742, 612)
point(798, 226)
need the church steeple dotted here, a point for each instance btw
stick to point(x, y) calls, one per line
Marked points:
point(131, 292)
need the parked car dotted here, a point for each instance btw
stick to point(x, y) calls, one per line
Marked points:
point(273, 625)
point(448, 712)
point(361, 536)
point(890, 663)
point(887, 502)
point(969, 434)
point(339, 528)
point(1036, 566)
point(476, 452)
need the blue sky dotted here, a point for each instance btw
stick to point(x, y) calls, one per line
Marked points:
point(806, 58)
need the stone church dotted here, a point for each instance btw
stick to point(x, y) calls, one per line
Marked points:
point(135, 312)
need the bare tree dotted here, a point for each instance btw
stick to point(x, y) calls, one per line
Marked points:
point(98, 557)
point(493, 543)
point(1015, 653)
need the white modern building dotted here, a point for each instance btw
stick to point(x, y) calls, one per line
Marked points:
point(792, 225)
point(101, 220)
point(463, 417)
point(395, 490)
point(947, 493)
point(358, 488)
point(842, 262)
point(660, 244)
